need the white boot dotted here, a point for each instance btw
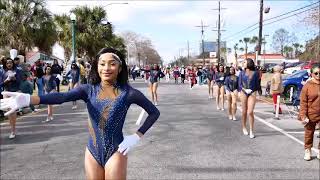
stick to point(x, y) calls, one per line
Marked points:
point(234, 118)
point(12, 135)
point(307, 154)
point(251, 134)
point(230, 117)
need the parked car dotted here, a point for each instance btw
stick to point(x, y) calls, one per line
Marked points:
point(266, 67)
point(308, 65)
point(294, 64)
point(293, 69)
point(294, 81)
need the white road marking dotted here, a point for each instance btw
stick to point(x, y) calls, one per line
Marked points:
point(280, 130)
point(302, 132)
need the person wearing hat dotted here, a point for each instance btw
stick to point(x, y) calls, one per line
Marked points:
point(310, 110)
point(276, 86)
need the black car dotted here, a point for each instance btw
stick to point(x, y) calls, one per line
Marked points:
point(267, 67)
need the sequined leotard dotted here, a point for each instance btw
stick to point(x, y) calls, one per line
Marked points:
point(106, 116)
point(246, 82)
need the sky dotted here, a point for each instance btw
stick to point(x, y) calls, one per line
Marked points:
point(170, 24)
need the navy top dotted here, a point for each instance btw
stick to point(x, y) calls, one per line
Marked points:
point(154, 76)
point(75, 75)
point(117, 111)
point(249, 83)
point(1, 78)
point(49, 83)
point(220, 82)
point(210, 75)
point(12, 85)
point(231, 83)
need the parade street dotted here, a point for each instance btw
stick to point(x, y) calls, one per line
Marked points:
point(190, 140)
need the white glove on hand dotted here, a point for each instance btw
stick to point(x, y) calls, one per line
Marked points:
point(127, 143)
point(305, 121)
point(59, 77)
point(15, 101)
point(248, 91)
point(221, 79)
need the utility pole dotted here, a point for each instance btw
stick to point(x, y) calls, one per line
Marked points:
point(219, 32)
point(202, 31)
point(260, 27)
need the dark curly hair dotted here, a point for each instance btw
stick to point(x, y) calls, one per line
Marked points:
point(4, 61)
point(45, 69)
point(122, 78)
point(250, 64)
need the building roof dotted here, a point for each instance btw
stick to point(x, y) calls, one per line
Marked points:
point(264, 56)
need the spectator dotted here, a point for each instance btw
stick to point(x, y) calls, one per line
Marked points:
point(87, 68)
point(26, 87)
point(1, 81)
point(39, 77)
point(83, 79)
point(182, 73)
point(11, 84)
point(133, 72)
point(56, 70)
point(276, 86)
point(310, 110)
point(176, 74)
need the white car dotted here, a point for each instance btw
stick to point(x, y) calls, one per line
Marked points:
point(292, 70)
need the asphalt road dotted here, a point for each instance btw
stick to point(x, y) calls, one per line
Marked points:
point(191, 140)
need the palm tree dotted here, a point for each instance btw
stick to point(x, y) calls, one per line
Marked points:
point(287, 50)
point(245, 40)
point(92, 33)
point(235, 47)
point(254, 40)
point(20, 21)
point(64, 33)
point(296, 46)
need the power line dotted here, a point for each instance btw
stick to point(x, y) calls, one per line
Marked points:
point(292, 11)
point(281, 19)
point(249, 27)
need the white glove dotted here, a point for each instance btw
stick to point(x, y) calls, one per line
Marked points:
point(305, 121)
point(221, 79)
point(248, 91)
point(127, 143)
point(59, 77)
point(15, 101)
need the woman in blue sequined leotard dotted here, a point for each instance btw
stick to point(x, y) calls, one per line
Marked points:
point(231, 85)
point(108, 98)
point(74, 74)
point(248, 86)
point(219, 79)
